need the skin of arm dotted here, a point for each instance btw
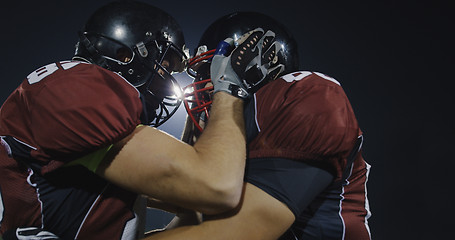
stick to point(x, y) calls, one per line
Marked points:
point(206, 177)
point(259, 216)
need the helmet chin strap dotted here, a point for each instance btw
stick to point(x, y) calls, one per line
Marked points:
point(159, 114)
point(146, 116)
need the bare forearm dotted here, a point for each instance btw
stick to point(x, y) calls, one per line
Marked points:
point(206, 177)
point(269, 218)
point(222, 146)
point(212, 176)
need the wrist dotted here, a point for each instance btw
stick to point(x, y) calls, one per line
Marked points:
point(232, 90)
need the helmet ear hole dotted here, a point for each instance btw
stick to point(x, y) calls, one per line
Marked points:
point(124, 55)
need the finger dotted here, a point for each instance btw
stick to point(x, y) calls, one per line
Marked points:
point(245, 53)
point(269, 56)
point(248, 48)
point(267, 40)
point(256, 73)
point(274, 72)
point(245, 36)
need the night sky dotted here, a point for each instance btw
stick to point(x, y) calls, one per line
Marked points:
point(391, 57)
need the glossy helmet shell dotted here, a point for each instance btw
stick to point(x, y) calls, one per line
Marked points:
point(133, 38)
point(236, 24)
point(232, 26)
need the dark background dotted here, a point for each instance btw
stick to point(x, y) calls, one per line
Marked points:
point(392, 58)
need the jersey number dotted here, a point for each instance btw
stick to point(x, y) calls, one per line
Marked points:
point(47, 70)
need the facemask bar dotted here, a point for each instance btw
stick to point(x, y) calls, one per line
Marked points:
point(145, 59)
point(197, 101)
point(168, 105)
point(200, 57)
point(169, 99)
point(197, 95)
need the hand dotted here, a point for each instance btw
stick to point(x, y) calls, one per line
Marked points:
point(247, 65)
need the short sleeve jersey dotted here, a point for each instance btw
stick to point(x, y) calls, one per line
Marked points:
point(305, 116)
point(68, 109)
point(60, 113)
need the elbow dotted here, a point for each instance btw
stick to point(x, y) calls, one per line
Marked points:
point(231, 197)
point(224, 198)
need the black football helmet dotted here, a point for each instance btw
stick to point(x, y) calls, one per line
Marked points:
point(197, 97)
point(143, 44)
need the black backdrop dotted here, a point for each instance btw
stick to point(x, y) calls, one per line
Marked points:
point(392, 58)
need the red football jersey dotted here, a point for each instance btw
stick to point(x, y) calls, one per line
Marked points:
point(60, 113)
point(309, 118)
point(68, 109)
point(306, 116)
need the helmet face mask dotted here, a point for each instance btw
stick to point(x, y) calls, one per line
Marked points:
point(197, 101)
point(143, 44)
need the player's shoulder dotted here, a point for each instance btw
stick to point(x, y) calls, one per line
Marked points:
point(300, 86)
point(295, 83)
point(72, 87)
point(80, 106)
point(307, 77)
point(299, 97)
point(305, 114)
point(75, 81)
point(72, 72)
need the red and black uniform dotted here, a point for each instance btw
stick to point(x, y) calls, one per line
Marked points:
point(303, 149)
point(61, 113)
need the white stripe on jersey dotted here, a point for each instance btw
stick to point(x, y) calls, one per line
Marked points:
point(256, 113)
point(89, 211)
point(367, 203)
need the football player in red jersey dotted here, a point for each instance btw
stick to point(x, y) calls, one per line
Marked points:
point(305, 175)
point(78, 143)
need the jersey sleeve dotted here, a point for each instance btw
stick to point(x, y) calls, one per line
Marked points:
point(306, 117)
point(77, 109)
